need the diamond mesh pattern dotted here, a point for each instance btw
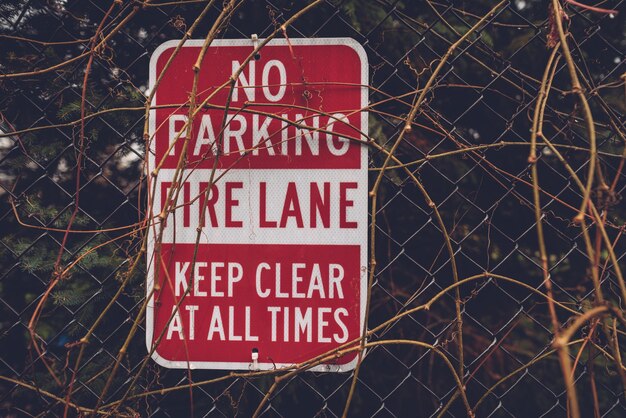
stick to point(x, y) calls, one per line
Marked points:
point(468, 149)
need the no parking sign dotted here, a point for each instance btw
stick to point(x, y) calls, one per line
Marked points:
point(280, 271)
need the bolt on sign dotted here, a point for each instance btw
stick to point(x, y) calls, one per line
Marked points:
point(258, 257)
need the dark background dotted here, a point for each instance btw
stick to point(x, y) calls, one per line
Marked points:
point(485, 94)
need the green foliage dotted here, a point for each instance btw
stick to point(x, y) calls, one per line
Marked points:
point(364, 15)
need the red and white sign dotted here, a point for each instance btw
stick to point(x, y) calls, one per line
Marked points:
point(281, 264)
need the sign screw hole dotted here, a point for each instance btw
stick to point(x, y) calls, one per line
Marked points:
point(255, 359)
point(255, 44)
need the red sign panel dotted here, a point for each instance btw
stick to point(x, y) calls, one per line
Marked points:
point(276, 180)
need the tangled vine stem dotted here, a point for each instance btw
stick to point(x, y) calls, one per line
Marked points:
point(476, 274)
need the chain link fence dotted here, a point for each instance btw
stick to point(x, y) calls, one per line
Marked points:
point(455, 224)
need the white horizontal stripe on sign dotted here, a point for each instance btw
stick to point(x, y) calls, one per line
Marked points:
point(268, 207)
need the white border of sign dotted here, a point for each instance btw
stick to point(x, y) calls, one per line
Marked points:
point(151, 164)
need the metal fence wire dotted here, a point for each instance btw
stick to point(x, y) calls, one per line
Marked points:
point(496, 155)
